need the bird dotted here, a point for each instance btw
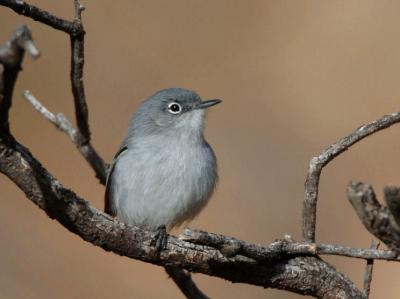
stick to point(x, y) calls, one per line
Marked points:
point(165, 172)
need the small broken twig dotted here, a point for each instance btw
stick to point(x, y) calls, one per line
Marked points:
point(64, 125)
point(11, 56)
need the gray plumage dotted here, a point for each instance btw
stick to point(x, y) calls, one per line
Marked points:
point(165, 171)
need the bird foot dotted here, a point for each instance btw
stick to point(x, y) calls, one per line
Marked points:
point(160, 239)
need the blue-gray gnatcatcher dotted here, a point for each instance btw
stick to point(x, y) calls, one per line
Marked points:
point(165, 171)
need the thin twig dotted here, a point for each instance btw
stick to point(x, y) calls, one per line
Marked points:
point(317, 164)
point(64, 125)
point(230, 246)
point(77, 63)
point(360, 253)
point(40, 15)
point(368, 271)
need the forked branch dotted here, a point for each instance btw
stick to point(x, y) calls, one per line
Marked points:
point(319, 162)
point(283, 264)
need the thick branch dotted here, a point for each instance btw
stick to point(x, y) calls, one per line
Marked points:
point(375, 217)
point(303, 275)
point(317, 164)
point(277, 265)
point(82, 137)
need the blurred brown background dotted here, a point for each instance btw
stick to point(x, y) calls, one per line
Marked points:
point(294, 76)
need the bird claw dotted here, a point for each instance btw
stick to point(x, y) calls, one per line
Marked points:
point(160, 239)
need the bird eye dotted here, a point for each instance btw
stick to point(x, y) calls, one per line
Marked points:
point(174, 108)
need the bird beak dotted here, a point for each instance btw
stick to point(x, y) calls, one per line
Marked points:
point(209, 103)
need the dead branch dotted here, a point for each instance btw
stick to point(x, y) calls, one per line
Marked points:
point(392, 199)
point(181, 278)
point(76, 32)
point(368, 272)
point(281, 248)
point(185, 283)
point(303, 275)
point(42, 16)
point(11, 56)
point(78, 89)
point(376, 218)
point(283, 264)
point(81, 138)
point(228, 246)
point(319, 162)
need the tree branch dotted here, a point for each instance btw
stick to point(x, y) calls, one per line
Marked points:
point(360, 253)
point(80, 138)
point(182, 279)
point(281, 248)
point(368, 272)
point(42, 16)
point(303, 275)
point(392, 199)
point(319, 162)
point(77, 63)
point(284, 264)
point(11, 56)
point(76, 31)
point(64, 125)
point(185, 283)
point(231, 247)
point(376, 218)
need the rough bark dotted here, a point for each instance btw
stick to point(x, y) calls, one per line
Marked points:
point(377, 219)
point(283, 264)
point(300, 274)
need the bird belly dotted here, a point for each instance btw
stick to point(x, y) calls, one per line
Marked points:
point(163, 189)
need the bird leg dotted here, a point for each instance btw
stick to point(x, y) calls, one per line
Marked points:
point(160, 239)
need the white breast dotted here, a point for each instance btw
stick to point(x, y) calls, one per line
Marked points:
point(164, 186)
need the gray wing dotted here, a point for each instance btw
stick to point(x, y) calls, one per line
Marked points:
point(107, 202)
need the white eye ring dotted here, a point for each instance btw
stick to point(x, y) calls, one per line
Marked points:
point(174, 108)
